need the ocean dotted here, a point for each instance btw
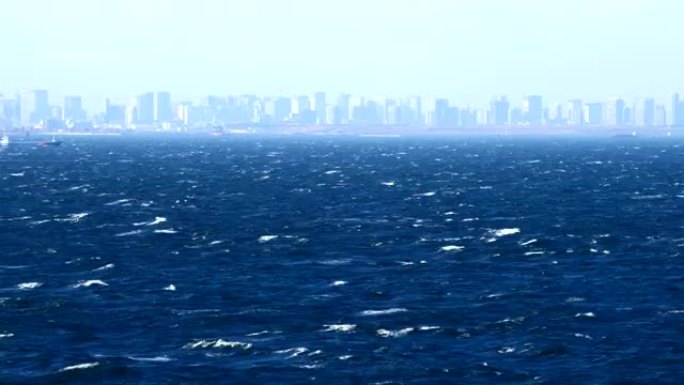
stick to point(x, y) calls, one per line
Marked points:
point(338, 260)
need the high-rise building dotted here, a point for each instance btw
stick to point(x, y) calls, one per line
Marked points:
point(594, 114)
point(615, 112)
point(499, 111)
point(660, 118)
point(34, 107)
point(163, 113)
point(320, 107)
point(145, 108)
point(533, 110)
point(644, 112)
point(576, 113)
point(677, 112)
point(73, 108)
point(441, 112)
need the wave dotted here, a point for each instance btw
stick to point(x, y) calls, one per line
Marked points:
point(342, 328)
point(29, 285)
point(83, 366)
point(217, 344)
point(89, 283)
point(394, 333)
point(372, 313)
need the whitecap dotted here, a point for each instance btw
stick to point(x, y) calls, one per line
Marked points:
point(428, 328)
point(344, 358)
point(29, 285)
point(580, 335)
point(156, 221)
point(171, 287)
point(585, 315)
point(166, 231)
point(525, 243)
point(294, 352)
point(151, 359)
point(267, 238)
point(452, 248)
point(574, 299)
point(86, 365)
point(532, 253)
point(394, 333)
point(388, 184)
point(129, 233)
point(427, 194)
point(6, 335)
point(105, 267)
point(89, 283)
point(255, 334)
point(465, 220)
point(217, 344)
point(18, 174)
point(371, 313)
point(338, 283)
point(505, 232)
point(118, 202)
point(405, 263)
point(506, 350)
point(342, 328)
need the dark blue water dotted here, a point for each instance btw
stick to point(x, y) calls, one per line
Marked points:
point(340, 261)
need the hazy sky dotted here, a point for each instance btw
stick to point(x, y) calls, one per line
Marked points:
point(467, 50)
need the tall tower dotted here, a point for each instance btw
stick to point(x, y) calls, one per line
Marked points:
point(533, 110)
point(34, 107)
point(162, 107)
point(145, 108)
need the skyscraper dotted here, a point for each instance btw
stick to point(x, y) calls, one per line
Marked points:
point(644, 112)
point(162, 107)
point(677, 112)
point(34, 107)
point(320, 107)
point(145, 108)
point(615, 112)
point(73, 108)
point(499, 111)
point(533, 110)
point(576, 113)
point(595, 114)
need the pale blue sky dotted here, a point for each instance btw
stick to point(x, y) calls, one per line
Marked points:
point(467, 50)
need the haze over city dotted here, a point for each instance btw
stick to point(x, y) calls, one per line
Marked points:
point(464, 50)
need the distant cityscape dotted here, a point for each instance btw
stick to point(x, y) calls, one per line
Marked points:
point(158, 111)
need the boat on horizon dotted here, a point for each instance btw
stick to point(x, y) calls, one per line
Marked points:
point(53, 142)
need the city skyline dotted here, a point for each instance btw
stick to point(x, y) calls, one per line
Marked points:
point(160, 110)
point(462, 50)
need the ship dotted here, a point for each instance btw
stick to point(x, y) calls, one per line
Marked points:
point(52, 142)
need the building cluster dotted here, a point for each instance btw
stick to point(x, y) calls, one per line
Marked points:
point(158, 111)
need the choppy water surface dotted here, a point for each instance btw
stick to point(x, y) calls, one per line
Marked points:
point(365, 261)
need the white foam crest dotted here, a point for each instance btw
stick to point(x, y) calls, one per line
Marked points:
point(406, 263)
point(428, 328)
point(344, 358)
point(86, 365)
point(267, 238)
point(339, 283)
point(505, 232)
point(6, 335)
point(73, 218)
point(166, 231)
point(18, 174)
point(129, 233)
point(388, 184)
point(506, 350)
point(452, 248)
point(532, 253)
point(294, 352)
point(466, 220)
point(332, 172)
point(156, 221)
point(525, 243)
point(394, 333)
point(580, 335)
point(105, 267)
point(372, 313)
point(118, 202)
point(171, 287)
point(674, 312)
point(585, 315)
point(575, 299)
point(89, 283)
point(217, 344)
point(341, 328)
point(427, 194)
point(29, 285)
point(151, 359)
point(255, 334)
